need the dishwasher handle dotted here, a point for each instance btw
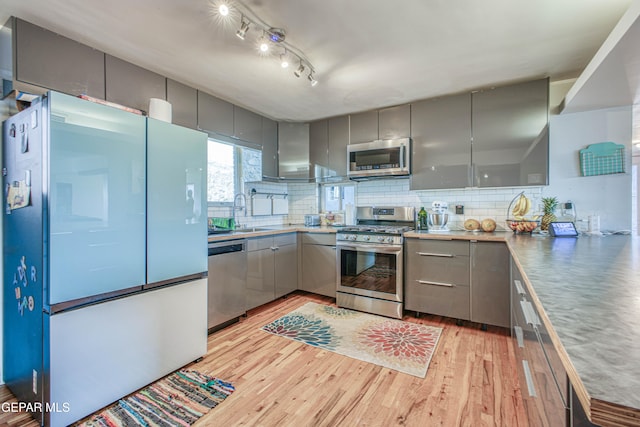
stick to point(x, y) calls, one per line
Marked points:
point(221, 248)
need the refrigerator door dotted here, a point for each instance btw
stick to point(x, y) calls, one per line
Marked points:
point(23, 256)
point(176, 202)
point(96, 199)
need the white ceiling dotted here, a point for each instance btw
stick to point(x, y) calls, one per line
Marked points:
point(367, 53)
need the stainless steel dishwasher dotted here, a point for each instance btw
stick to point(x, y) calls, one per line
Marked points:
point(227, 282)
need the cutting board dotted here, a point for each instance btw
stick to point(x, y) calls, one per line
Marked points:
point(280, 205)
point(260, 206)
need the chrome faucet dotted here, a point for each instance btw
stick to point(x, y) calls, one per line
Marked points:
point(238, 207)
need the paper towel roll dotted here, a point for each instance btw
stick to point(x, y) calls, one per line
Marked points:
point(160, 109)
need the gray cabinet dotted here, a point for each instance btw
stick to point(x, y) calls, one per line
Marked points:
point(51, 61)
point(269, 148)
point(272, 268)
point(247, 125)
point(319, 144)
point(130, 85)
point(214, 114)
point(388, 123)
point(293, 150)
point(319, 271)
point(490, 273)
point(338, 139)
point(441, 141)
point(510, 135)
point(437, 277)
point(364, 127)
point(184, 104)
point(541, 374)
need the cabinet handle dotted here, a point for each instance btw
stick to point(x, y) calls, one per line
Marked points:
point(436, 254)
point(529, 379)
point(274, 248)
point(334, 248)
point(519, 287)
point(425, 282)
point(529, 314)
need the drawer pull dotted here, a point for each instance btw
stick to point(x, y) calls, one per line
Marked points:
point(528, 378)
point(519, 287)
point(425, 282)
point(436, 254)
point(519, 336)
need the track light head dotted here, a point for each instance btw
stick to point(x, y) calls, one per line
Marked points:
point(312, 79)
point(284, 61)
point(244, 27)
point(300, 70)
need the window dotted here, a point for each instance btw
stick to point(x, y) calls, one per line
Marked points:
point(336, 197)
point(229, 166)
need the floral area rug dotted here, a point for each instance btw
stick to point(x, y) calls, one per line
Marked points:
point(178, 399)
point(402, 346)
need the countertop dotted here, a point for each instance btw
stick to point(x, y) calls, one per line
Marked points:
point(269, 230)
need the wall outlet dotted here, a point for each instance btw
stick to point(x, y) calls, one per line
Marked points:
point(35, 382)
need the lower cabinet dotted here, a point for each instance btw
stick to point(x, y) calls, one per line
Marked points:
point(490, 283)
point(542, 377)
point(271, 268)
point(437, 277)
point(319, 271)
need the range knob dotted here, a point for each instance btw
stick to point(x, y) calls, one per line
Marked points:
point(366, 238)
point(380, 238)
point(352, 237)
point(390, 239)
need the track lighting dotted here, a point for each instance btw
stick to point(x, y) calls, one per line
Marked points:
point(244, 27)
point(231, 9)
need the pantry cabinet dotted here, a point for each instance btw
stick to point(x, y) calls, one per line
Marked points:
point(437, 277)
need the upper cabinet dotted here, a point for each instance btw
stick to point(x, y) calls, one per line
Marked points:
point(319, 144)
point(269, 148)
point(247, 125)
point(388, 123)
point(214, 114)
point(184, 104)
point(510, 135)
point(441, 138)
point(293, 150)
point(130, 85)
point(338, 139)
point(51, 61)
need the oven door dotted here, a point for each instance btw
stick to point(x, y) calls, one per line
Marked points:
point(370, 270)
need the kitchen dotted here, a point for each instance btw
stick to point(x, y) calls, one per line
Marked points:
point(573, 130)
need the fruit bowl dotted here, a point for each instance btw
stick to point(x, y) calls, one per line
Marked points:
point(523, 226)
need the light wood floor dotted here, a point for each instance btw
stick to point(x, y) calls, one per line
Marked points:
point(471, 380)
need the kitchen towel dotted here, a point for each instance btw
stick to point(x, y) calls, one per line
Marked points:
point(260, 205)
point(280, 205)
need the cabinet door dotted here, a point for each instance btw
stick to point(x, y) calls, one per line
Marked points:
point(490, 283)
point(214, 114)
point(364, 127)
point(338, 134)
point(49, 60)
point(247, 125)
point(269, 148)
point(319, 271)
point(293, 150)
point(176, 201)
point(286, 264)
point(97, 197)
point(184, 104)
point(441, 138)
point(260, 276)
point(130, 85)
point(510, 137)
point(319, 143)
point(394, 122)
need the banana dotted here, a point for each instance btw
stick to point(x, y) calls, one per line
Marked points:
point(527, 206)
point(519, 206)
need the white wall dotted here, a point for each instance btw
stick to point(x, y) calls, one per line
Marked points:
point(609, 196)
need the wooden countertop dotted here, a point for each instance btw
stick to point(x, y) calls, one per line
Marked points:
point(269, 231)
point(587, 291)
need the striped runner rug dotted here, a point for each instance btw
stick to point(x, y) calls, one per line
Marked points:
point(178, 399)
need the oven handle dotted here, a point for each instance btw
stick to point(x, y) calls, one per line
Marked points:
point(378, 249)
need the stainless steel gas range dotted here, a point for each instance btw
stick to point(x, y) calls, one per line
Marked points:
point(370, 258)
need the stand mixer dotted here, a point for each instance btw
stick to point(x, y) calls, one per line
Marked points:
point(438, 216)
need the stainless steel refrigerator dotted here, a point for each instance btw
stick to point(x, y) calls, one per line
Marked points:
point(105, 243)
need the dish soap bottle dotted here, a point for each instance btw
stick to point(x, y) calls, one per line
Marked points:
point(422, 219)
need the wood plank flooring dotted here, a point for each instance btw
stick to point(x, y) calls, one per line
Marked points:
point(471, 380)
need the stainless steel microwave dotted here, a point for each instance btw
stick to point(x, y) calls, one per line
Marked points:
point(379, 159)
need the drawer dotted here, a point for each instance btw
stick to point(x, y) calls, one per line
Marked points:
point(259, 243)
point(285, 239)
point(444, 248)
point(450, 301)
point(454, 270)
point(328, 239)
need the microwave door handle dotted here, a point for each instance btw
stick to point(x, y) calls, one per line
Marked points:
point(403, 148)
